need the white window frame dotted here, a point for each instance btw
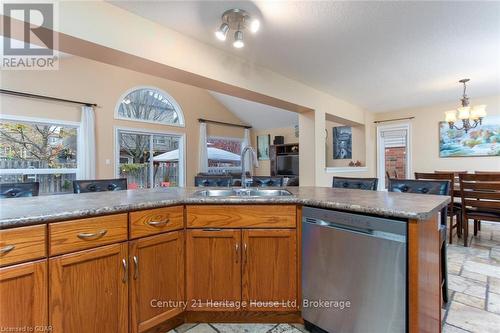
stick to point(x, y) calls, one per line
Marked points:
point(143, 131)
point(230, 138)
point(381, 152)
point(172, 101)
point(45, 121)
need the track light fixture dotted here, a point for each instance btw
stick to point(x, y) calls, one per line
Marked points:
point(239, 21)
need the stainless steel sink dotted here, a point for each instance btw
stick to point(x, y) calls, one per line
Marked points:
point(241, 192)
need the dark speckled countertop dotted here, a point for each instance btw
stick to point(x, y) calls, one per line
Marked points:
point(45, 209)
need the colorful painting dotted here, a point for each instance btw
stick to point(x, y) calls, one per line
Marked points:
point(263, 146)
point(342, 142)
point(484, 140)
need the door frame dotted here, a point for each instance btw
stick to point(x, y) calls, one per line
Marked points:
point(381, 152)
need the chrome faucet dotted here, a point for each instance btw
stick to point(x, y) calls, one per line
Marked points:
point(254, 162)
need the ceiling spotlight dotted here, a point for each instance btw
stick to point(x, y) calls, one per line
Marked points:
point(221, 33)
point(238, 39)
point(236, 20)
point(254, 26)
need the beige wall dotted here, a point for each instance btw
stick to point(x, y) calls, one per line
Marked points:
point(264, 168)
point(358, 145)
point(425, 137)
point(94, 82)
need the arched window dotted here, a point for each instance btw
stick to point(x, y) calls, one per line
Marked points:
point(152, 105)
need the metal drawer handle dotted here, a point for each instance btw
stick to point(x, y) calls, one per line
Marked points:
point(7, 249)
point(158, 223)
point(136, 267)
point(125, 271)
point(92, 236)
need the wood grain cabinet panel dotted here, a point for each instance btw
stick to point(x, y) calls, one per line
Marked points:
point(23, 297)
point(87, 233)
point(89, 291)
point(270, 270)
point(156, 279)
point(241, 216)
point(213, 274)
point(154, 221)
point(22, 244)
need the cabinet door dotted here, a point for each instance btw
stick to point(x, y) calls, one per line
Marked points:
point(23, 297)
point(156, 279)
point(88, 291)
point(213, 275)
point(270, 269)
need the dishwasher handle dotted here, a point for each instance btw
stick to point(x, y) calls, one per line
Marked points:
point(363, 231)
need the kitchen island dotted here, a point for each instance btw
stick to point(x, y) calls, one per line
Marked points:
point(148, 260)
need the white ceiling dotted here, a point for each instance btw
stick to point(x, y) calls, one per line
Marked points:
point(378, 55)
point(259, 116)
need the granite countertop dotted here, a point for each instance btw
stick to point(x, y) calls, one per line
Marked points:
point(44, 209)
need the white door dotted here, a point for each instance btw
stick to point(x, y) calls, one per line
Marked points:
point(393, 153)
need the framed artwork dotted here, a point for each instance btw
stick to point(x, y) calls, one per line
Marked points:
point(342, 142)
point(484, 140)
point(263, 146)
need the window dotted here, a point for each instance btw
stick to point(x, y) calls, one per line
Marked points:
point(41, 151)
point(150, 159)
point(224, 154)
point(150, 105)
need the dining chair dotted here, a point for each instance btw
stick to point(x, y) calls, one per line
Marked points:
point(480, 199)
point(437, 187)
point(19, 190)
point(454, 208)
point(265, 181)
point(355, 183)
point(487, 172)
point(99, 185)
point(213, 181)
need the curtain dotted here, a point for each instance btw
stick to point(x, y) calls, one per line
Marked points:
point(203, 153)
point(246, 142)
point(86, 145)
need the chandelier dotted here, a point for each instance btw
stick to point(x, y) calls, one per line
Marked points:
point(237, 20)
point(471, 116)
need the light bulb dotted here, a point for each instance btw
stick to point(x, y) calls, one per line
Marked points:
point(238, 39)
point(451, 116)
point(478, 111)
point(221, 33)
point(254, 25)
point(463, 112)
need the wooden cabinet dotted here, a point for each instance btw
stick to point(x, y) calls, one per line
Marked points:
point(269, 281)
point(213, 274)
point(156, 279)
point(154, 221)
point(23, 297)
point(88, 291)
point(22, 244)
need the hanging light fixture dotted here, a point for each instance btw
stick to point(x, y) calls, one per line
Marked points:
point(471, 116)
point(239, 21)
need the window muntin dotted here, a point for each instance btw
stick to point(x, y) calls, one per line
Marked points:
point(149, 159)
point(231, 147)
point(42, 151)
point(150, 105)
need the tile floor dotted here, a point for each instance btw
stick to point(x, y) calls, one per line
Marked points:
point(474, 286)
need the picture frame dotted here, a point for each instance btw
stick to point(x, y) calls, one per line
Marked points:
point(342, 142)
point(263, 142)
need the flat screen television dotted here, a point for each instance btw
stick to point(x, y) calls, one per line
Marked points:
point(288, 165)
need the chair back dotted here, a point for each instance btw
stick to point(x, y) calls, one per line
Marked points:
point(19, 190)
point(487, 172)
point(264, 181)
point(450, 176)
point(213, 181)
point(438, 187)
point(369, 184)
point(99, 185)
point(481, 196)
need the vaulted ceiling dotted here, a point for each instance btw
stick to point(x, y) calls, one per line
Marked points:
point(378, 55)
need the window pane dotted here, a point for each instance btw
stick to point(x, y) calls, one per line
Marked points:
point(223, 154)
point(165, 160)
point(134, 159)
point(149, 105)
point(37, 146)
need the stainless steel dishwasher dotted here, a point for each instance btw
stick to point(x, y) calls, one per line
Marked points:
point(353, 272)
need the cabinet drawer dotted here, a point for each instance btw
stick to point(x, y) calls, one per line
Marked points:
point(87, 233)
point(22, 244)
point(154, 221)
point(241, 216)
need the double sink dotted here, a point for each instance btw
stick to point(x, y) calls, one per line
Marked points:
point(243, 192)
